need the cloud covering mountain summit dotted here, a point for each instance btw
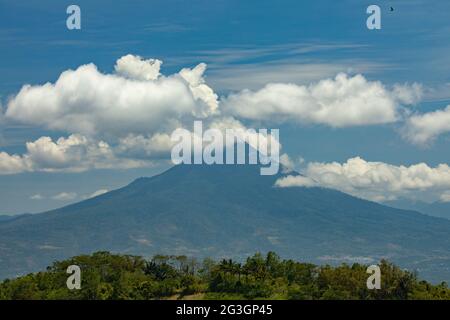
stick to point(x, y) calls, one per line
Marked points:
point(124, 119)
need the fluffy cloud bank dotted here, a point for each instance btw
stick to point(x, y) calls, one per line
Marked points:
point(117, 120)
point(374, 180)
point(125, 118)
point(424, 128)
point(75, 153)
point(135, 100)
point(78, 153)
point(340, 102)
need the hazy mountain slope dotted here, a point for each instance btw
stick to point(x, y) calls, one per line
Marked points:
point(7, 217)
point(436, 209)
point(228, 211)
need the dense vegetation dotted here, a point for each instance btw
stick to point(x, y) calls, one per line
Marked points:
point(109, 276)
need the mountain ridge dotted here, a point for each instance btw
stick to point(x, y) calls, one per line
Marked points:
point(227, 211)
point(436, 209)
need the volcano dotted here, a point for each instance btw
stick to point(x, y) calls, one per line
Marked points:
point(228, 211)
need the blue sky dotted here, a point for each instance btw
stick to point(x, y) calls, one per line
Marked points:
point(246, 44)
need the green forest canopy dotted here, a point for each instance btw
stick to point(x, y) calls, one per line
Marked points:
point(112, 276)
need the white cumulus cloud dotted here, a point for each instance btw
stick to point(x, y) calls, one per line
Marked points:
point(140, 146)
point(90, 102)
point(97, 193)
point(199, 89)
point(422, 129)
point(65, 196)
point(377, 181)
point(74, 153)
point(340, 102)
point(125, 119)
point(135, 67)
point(12, 164)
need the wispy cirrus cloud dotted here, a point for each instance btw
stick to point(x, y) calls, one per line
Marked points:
point(252, 67)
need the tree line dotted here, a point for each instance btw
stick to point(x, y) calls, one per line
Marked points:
point(107, 276)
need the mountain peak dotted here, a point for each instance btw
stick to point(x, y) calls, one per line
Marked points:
point(227, 211)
